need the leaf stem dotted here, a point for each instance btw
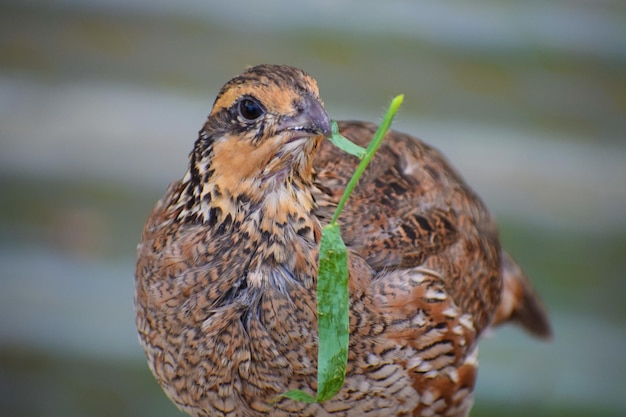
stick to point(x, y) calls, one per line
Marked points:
point(369, 154)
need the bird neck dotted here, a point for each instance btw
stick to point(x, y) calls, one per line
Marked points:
point(273, 219)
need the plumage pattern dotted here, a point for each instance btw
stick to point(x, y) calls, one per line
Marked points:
point(227, 265)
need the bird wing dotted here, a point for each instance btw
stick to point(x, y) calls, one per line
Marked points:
point(410, 209)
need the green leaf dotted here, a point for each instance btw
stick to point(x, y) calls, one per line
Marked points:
point(333, 308)
point(344, 143)
point(333, 301)
point(297, 395)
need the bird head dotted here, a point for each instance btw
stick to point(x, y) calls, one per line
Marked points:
point(260, 136)
point(265, 125)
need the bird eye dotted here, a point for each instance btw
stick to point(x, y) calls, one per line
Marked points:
point(250, 109)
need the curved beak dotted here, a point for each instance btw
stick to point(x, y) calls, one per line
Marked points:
point(311, 118)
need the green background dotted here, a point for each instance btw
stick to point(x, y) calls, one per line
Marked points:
point(100, 103)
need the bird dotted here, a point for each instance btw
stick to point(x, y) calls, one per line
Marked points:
point(225, 280)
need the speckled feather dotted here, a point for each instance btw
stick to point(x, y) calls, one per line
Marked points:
point(227, 266)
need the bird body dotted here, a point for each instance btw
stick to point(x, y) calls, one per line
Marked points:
point(227, 265)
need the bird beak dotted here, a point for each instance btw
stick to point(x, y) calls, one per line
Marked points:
point(311, 118)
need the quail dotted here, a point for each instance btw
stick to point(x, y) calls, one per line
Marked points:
point(225, 282)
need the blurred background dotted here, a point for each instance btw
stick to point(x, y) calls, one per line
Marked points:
point(100, 103)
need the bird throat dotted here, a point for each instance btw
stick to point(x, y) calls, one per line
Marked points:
point(272, 222)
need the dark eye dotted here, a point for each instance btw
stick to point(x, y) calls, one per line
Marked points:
point(250, 109)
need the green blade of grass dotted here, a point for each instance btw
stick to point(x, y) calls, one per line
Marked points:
point(333, 301)
point(333, 308)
